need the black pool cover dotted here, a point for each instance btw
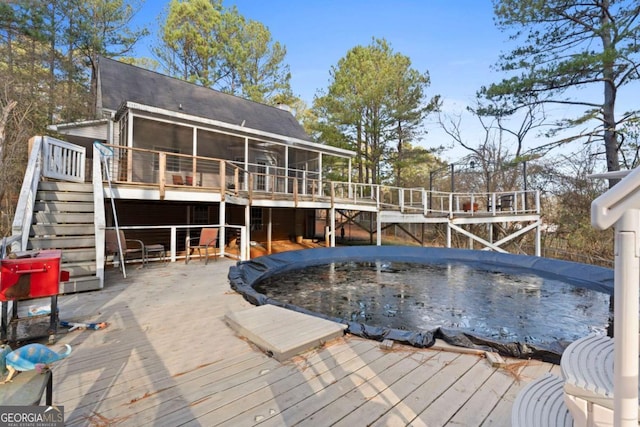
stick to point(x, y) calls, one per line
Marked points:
point(245, 275)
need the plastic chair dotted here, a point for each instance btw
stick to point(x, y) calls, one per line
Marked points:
point(208, 239)
point(111, 240)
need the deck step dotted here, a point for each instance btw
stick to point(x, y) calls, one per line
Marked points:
point(64, 196)
point(587, 366)
point(64, 217)
point(80, 268)
point(65, 186)
point(65, 242)
point(80, 284)
point(541, 404)
point(62, 230)
point(52, 206)
point(74, 255)
point(283, 333)
point(587, 363)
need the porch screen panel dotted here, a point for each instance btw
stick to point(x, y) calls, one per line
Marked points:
point(213, 148)
point(303, 169)
point(265, 161)
point(153, 136)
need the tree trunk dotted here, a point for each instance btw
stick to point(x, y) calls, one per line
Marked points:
point(608, 113)
point(359, 152)
point(4, 119)
point(400, 156)
point(52, 68)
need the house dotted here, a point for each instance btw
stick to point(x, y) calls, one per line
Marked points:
point(152, 113)
point(165, 158)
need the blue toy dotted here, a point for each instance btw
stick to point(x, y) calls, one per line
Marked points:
point(30, 357)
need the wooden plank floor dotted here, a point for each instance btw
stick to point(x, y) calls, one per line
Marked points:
point(167, 359)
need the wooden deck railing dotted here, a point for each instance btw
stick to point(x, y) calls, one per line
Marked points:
point(63, 160)
point(173, 171)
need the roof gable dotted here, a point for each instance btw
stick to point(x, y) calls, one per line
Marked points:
point(120, 82)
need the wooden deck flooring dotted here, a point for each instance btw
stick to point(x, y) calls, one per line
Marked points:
point(167, 359)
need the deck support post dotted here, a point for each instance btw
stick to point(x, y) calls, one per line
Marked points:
point(247, 223)
point(332, 215)
point(538, 241)
point(269, 230)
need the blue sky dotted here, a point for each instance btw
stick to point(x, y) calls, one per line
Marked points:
point(455, 41)
point(318, 33)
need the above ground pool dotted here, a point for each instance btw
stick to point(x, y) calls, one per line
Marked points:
point(520, 306)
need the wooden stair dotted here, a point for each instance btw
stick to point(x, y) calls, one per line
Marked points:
point(63, 218)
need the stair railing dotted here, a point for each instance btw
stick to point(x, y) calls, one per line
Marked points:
point(620, 207)
point(104, 154)
point(63, 160)
point(24, 209)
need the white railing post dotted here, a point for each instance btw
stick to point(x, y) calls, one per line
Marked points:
point(332, 217)
point(243, 243)
point(99, 214)
point(174, 243)
point(378, 230)
point(424, 202)
point(626, 293)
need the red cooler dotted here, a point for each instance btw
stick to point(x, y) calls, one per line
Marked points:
point(32, 274)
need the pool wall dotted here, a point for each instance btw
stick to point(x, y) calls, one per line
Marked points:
point(246, 274)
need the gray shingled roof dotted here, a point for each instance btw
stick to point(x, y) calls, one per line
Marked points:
point(122, 82)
